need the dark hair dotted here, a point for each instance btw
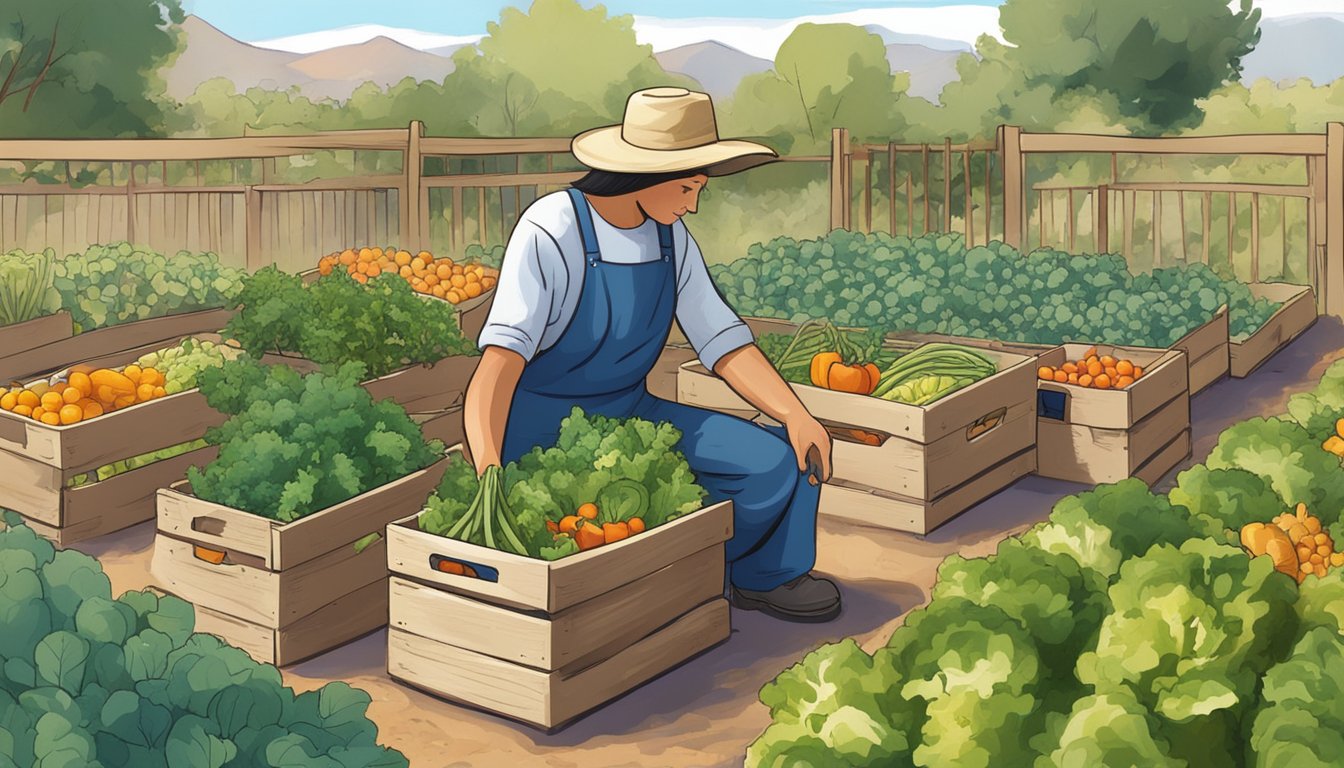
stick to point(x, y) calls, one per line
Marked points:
point(611, 183)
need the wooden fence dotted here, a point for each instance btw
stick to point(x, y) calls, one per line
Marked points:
point(445, 193)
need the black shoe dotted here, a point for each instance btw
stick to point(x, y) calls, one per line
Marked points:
point(805, 599)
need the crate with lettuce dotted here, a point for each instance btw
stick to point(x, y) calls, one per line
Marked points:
point(279, 538)
point(570, 565)
point(117, 297)
point(30, 305)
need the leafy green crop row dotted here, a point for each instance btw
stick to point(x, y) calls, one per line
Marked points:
point(1127, 629)
point(384, 325)
point(296, 444)
point(113, 284)
point(89, 681)
point(934, 284)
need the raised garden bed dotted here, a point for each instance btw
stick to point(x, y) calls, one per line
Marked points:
point(283, 592)
point(1095, 436)
point(1297, 314)
point(930, 462)
point(545, 642)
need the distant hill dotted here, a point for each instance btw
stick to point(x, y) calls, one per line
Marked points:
point(332, 73)
point(718, 68)
point(382, 61)
point(209, 53)
point(1292, 47)
point(929, 69)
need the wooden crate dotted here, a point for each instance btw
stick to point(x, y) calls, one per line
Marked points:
point(1095, 436)
point(284, 591)
point(1297, 314)
point(546, 642)
point(1205, 348)
point(64, 515)
point(155, 332)
point(38, 332)
point(931, 457)
point(1206, 352)
point(445, 425)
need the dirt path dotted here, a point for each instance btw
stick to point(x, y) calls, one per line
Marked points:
point(705, 713)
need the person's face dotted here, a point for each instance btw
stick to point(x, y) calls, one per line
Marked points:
point(669, 201)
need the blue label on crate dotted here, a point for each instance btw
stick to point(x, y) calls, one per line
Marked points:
point(1051, 404)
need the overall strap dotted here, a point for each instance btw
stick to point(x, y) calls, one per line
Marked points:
point(586, 232)
point(665, 246)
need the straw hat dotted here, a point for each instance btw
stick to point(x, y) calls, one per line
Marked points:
point(667, 130)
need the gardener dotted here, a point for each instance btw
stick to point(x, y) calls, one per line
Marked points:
point(591, 281)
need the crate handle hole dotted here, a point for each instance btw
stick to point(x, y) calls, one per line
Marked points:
point(1052, 404)
point(211, 526)
point(464, 568)
point(985, 424)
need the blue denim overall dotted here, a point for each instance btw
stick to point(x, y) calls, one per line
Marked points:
point(600, 363)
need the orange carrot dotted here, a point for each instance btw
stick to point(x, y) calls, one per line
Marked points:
point(636, 525)
point(588, 511)
point(614, 532)
point(590, 536)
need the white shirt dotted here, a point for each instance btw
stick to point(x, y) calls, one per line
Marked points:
point(542, 275)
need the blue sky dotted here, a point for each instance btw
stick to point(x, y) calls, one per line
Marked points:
point(265, 19)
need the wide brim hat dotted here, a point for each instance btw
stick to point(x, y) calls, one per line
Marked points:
point(665, 130)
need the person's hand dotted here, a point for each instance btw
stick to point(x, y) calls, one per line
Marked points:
point(809, 438)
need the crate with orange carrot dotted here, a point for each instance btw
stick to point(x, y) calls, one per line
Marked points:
point(465, 284)
point(83, 449)
point(563, 579)
point(1105, 413)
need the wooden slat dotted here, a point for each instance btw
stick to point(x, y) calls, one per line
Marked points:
point(1255, 144)
point(433, 145)
point(1206, 211)
point(891, 188)
point(973, 146)
point(947, 185)
point(924, 154)
point(1255, 237)
point(1013, 189)
point(970, 198)
point(1286, 190)
point(114, 150)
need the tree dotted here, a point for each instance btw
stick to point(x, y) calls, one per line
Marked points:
point(1154, 57)
point(72, 68)
point(558, 68)
point(825, 75)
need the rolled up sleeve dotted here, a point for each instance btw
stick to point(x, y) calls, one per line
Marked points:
point(524, 293)
point(712, 327)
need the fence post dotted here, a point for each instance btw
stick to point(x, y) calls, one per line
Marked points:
point(1103, 222)
point(1333, 278)
point(252, 220)
point(411, 218)
point(1010, 145)
point(840, 178)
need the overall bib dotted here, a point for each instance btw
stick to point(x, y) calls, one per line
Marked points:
point(600, 363)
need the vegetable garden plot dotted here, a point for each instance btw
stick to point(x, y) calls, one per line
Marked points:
point(1296, 314)
point(910, 467)
point(545, 642)
point(56, 476)
point(283, 591)
point(1093, 436)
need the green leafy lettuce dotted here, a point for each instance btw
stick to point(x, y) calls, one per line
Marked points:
point(296, 444)
point(92, 680)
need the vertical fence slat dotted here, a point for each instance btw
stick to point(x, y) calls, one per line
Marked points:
point(989, 197)
point(1103, 221)
point(1180, 206)
point(909, 205)
point(1231, 230)
point(459, 232)
point(1040, 214)
point(947, 184)
point(970, 199)
point(482, 216)
point(1255, 237)
point(867, 191)
point(1072, 222)
point(1157, 229)
point(891, 186)
point(924, 151)
point(1207, 213)
point(1130, 199)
